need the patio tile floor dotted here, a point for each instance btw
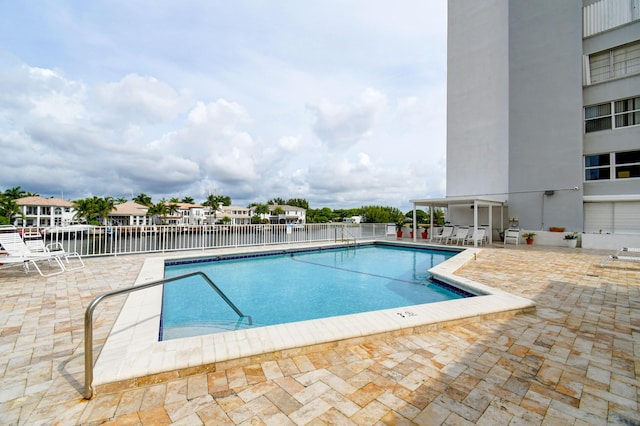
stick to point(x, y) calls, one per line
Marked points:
point(574, 361)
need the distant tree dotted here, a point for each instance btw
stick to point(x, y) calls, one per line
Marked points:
point(421, 216)
point(216, 201)
point(225, 219)
point(188, 200)
point(322, 215)
point(143, 199)
point(120, 200)
point(277, 201)
point(93, 209)
point(298, 202)
point(381, 214)
point(15, 193)
point(105, 206)
point(156, 211)
point(174, 200)
point(278, 210)
point(8, 209)
point(171, 208)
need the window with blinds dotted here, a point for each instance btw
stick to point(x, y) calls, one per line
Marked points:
point(612, 115)
point(620, 217)
point(614, 63)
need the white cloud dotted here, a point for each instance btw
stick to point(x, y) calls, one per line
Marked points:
point(340, 125)
point(255, 102)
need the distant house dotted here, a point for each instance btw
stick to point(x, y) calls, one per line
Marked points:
point(44, 212)
point(353, 219)
point(238, 215)
point(129, 214)
point(290, 215)
point(188, 214)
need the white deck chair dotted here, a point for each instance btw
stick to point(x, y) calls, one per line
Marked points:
point(36, 244)
point(447, 231)
point(629, 254)
point(17, 253)
point(391, 231)
point(460, 235)
point(512, 236)
point(478, 235)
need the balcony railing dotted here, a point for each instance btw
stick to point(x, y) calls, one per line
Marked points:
point(116, 240)
point(607, 14)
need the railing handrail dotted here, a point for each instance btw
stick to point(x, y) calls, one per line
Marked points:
point(131, 239)
point(88, 319)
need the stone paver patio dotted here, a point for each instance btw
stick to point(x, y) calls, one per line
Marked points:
point(574, 361)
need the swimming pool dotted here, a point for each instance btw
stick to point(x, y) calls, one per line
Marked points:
point(299, 286)
point(133, 355)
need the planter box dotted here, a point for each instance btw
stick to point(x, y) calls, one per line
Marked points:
point(610, 241)
point(571, 243)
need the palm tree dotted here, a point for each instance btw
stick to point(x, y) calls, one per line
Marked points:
point(157, 210)
point(8, 209)
point(15, 193)
point(188, 200)
point(143, 199)
point(172, 208)
point(211, 201)
point(83, 210)
point(104, 206)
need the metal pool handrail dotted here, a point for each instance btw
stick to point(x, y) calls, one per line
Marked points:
point(88, 319)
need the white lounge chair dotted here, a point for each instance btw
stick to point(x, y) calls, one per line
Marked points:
point(18, 252)
point(444, 235)
point(629, 254)
point(512, 236)
point(36, 244)
point(478, 235)
point(460, 235)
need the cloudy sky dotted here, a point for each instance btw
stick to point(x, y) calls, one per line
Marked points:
point(342, 103)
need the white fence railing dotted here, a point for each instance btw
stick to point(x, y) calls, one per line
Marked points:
point(116, 240)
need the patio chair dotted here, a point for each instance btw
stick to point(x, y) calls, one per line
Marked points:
point(512, 236)
point(459, 236)
point(36, 244)
point(478, 235)
point(629, 254)
point(18, 252)
point(444, 235)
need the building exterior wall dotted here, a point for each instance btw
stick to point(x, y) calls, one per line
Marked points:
point(477, 98)
point(545, 107)
point(524, 133)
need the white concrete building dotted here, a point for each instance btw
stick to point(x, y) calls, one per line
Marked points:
point(543, 112)
point(44, 212)
point(129, 214)
point(236, 214)
point(290, 215)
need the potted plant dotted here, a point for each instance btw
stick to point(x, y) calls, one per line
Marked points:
point(571, 239)
point(425, 233)
point(529, 237)
point(399, 225)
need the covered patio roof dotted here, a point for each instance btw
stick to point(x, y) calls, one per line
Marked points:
point(476, 202)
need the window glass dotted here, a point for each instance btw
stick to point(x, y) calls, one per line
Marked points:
point(594, 111)
point(628, 157)
point(598, 174)
point(597, 160)
point(630, 104)
point(598, 124)
point(625, 172)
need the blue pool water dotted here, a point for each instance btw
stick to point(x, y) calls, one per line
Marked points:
point(284, 288)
